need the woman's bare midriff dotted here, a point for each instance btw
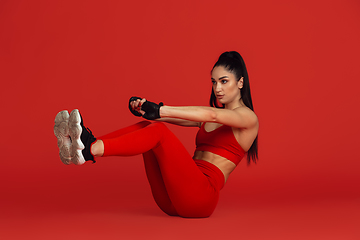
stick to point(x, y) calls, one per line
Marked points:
point(226, 166)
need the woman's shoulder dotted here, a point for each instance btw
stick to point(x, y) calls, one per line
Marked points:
point(245, 110)
point(247, 113)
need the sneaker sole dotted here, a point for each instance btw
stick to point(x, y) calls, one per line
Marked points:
point(75, 131)
point(61, 131)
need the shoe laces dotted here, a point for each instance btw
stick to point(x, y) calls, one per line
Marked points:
point(91, 136)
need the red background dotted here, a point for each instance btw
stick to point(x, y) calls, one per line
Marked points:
point(302, 58)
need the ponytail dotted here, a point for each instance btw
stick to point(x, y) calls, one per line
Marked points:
point(233, 62)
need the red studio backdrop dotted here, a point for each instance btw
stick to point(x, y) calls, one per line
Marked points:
point(302, 58)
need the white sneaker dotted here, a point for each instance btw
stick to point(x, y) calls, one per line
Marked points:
point(61, 131)
point(75, 130)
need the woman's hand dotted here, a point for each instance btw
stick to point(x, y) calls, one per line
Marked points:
point(135, 106)
point(141, 107)
point(152, 110)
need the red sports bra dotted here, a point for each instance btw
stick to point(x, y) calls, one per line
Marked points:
point(220, 141)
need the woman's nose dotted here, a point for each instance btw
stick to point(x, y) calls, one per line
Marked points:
point(217, 87)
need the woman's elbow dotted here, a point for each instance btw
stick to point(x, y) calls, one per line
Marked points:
point(212, 116)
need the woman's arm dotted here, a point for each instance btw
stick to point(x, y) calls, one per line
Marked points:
point(241, 117)
point(179, 122)
point(136, 106)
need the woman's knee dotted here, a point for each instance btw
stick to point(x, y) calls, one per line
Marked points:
point(160, 127)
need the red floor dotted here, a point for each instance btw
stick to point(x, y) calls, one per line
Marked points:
point(75, 207)
point(316, 220)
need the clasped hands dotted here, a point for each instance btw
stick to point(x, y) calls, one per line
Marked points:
point(140, 107)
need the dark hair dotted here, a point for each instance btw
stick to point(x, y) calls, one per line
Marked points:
point(234, 63)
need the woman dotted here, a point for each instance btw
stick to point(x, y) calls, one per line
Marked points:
point(181, 185)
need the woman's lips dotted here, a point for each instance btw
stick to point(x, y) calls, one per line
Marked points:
point(219, 96)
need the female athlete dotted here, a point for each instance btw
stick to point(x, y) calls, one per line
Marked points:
point(181, 185)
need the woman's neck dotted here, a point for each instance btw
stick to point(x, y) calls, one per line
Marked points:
point(234, 104)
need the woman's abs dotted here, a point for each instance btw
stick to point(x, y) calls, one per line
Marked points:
point(226, 166)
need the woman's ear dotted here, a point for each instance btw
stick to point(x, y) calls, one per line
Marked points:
point(241, 83)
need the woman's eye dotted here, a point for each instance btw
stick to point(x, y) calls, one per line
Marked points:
point(224, 81)
point(213, 82)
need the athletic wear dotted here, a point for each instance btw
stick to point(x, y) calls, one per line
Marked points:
point(152, 110)
point(136, 113)
point(61, 131)
point(75, 130)
point(220, 141)
point(180, 185)
point(87, 138)
point(81, 139)
point(74, 140)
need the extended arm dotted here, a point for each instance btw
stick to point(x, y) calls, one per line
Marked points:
point(135, 104)
point(241, 117)
point(179, 122)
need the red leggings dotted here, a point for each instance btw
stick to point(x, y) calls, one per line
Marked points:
point(181, 186)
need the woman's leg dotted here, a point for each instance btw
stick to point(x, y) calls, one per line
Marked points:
point(157, 184)
point(189, 190)
point(152, 170)
point(126, 130)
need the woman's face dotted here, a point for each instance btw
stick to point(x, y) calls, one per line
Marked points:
point(225, 85)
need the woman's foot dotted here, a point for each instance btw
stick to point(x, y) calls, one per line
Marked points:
point(81, 139)
point(61, 131)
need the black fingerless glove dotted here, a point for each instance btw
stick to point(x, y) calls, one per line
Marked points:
point(152, 110)
point(136, 113)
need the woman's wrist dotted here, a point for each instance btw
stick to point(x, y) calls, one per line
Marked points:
point(162, 111)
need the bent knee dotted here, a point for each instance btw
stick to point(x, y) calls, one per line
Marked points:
point(160, 126)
